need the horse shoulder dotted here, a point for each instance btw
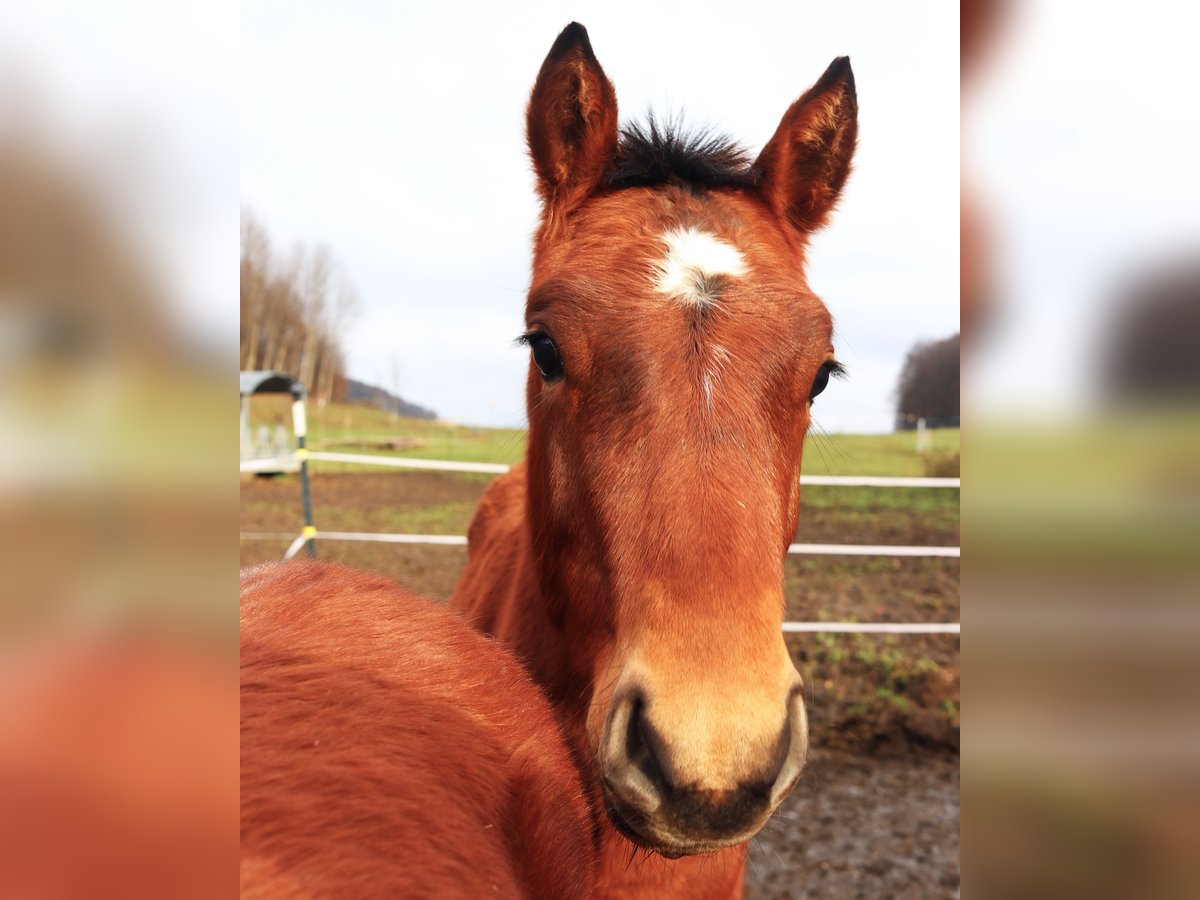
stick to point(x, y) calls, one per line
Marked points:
point(501, 510)
point(390, 750)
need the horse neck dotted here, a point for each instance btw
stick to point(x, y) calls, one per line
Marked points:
point(540, 641)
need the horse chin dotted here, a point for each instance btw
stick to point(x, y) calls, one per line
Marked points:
point(666, 848)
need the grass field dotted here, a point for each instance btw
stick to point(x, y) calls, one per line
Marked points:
point(874, 693)
point(345, 428)
point(348, 428)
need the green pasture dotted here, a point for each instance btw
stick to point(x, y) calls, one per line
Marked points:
point(893, 455)
point(344, 428)
point(349, 428)
point(882, 514)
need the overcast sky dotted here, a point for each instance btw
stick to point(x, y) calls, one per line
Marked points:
point(396, 137)
point(1085, 149)
point(394, 133)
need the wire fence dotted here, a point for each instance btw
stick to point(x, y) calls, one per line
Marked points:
point(290, 461)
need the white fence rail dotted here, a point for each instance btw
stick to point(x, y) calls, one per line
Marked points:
point(290, 461)
point(461, 540)
point(275, 463)
point(872, 627)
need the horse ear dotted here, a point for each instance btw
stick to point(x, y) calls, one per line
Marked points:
point(803, 167)
point(571, 123)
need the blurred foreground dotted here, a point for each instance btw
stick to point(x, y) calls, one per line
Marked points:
point(1081, 720)
point(118, 641)
point(1081, 304)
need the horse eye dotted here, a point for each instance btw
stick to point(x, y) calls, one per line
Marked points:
point(545, 357)
point(820, 381)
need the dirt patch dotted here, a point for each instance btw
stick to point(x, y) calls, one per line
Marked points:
point(861, 708)
point(875, 524)
point(856, 827)
point(332, 493)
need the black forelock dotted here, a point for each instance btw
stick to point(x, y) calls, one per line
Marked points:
point(657, 153)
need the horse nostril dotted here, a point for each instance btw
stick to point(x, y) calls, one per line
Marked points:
point(643, 746)
point(631, 758)
point(796, 738)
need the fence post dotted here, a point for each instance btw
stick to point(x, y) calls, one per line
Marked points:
point(300, 426)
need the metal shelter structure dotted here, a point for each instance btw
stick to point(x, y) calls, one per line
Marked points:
point(263, 382)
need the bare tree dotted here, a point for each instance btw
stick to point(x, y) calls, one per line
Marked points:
point(344, 305)
point(294, 313)
point(256, 252)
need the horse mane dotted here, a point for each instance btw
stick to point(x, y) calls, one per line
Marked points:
point(657, 153)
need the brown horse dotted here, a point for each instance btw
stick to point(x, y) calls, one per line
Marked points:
point(635, 561)
point(389, 750)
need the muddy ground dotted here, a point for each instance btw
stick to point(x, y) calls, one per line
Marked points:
point(876, 813)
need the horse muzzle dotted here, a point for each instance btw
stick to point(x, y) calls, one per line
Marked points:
point(654, 802)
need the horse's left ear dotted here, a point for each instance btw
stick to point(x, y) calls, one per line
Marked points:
point(571, 123)
point(803, 167)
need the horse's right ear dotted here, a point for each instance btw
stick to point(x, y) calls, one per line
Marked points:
point(571, 123)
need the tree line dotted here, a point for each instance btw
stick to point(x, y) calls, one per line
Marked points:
point(295, 307)
point(928, 385)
